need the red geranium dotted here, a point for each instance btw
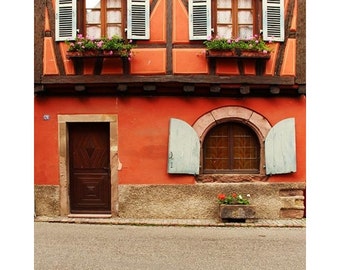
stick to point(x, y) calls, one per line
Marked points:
point(234, 198)
point(221, 196)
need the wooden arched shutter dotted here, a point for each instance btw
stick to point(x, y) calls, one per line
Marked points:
point(138, 23)
point(199, 19)
point(183, 149)
point(273, 20)
point(65, 18)
point(280, 149)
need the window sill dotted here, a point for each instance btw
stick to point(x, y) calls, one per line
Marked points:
point(230, 178)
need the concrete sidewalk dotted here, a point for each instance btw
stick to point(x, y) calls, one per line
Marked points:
point(175, 222)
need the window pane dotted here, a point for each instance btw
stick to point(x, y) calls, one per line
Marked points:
point(93, 16)
point(92, 3)
point(114, 30)
point(224, 31)
point(245, 31)
point(216, 151)
point(114, 16)
point(223, 3)
point(244, 3)
point(113, 3)
point(224, 16)
point(245, 148)
point(245, 17)
point(93, 32)
point(231, 147)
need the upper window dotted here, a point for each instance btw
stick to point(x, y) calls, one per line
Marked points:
point(102, 18)
point(231, 147)
point(236, 19)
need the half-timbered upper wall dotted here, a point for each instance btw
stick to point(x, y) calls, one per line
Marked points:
point(169, 50)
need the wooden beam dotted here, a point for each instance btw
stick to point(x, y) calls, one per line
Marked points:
point(39, 18)
point(181, 79)
point(51, 15)
point(301, 42)
point(282, 47)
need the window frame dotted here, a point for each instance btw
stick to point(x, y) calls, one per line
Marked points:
point(268, 20)
point(230, 129)
point(81, 17)
point(70, 19)
point(254, 120)
point(257, 17)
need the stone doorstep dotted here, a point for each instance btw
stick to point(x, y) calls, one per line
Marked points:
point(89, 215)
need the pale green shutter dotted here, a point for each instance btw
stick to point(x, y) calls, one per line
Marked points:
point(65, 18)
point(280, 147)
point(138, 23)
point(183, 148)
point(199, 19)
point(273, 20)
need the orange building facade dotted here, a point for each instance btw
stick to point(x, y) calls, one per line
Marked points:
point(155, 113)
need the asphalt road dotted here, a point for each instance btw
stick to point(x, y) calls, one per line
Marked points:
point(85, 246)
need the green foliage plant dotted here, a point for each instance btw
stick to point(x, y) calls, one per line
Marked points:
point(111, 45)
point(254, 44)
point(233, 198)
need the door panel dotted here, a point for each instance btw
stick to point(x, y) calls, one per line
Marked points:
point(90, 187)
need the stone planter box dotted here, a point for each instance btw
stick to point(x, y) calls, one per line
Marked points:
point(236, 213)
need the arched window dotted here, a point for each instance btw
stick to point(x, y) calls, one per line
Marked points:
point(231, 147)
point(231, 144)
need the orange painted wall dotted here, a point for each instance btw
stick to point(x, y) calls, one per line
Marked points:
point(143, 127)
point(143, 122)
point(153, 60)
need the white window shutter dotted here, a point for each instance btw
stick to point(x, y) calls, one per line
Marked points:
point(199, 19)
point(273, 20)
point(183, 148)
point(65, 17)
point(138, 23)
point(280, 149)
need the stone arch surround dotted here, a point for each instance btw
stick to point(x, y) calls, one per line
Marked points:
point(256, 121)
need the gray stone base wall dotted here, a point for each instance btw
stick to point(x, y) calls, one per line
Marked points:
point(46, 200)
point(197, 201)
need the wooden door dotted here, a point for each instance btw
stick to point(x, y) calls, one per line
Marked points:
point(89, 152)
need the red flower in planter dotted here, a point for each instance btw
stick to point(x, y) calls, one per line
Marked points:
point(221, 196)
point(234, 198)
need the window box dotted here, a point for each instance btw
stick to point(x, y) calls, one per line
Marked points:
point(260, 58)
point(79, 57)
point(237, 54)
point(92, 54)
